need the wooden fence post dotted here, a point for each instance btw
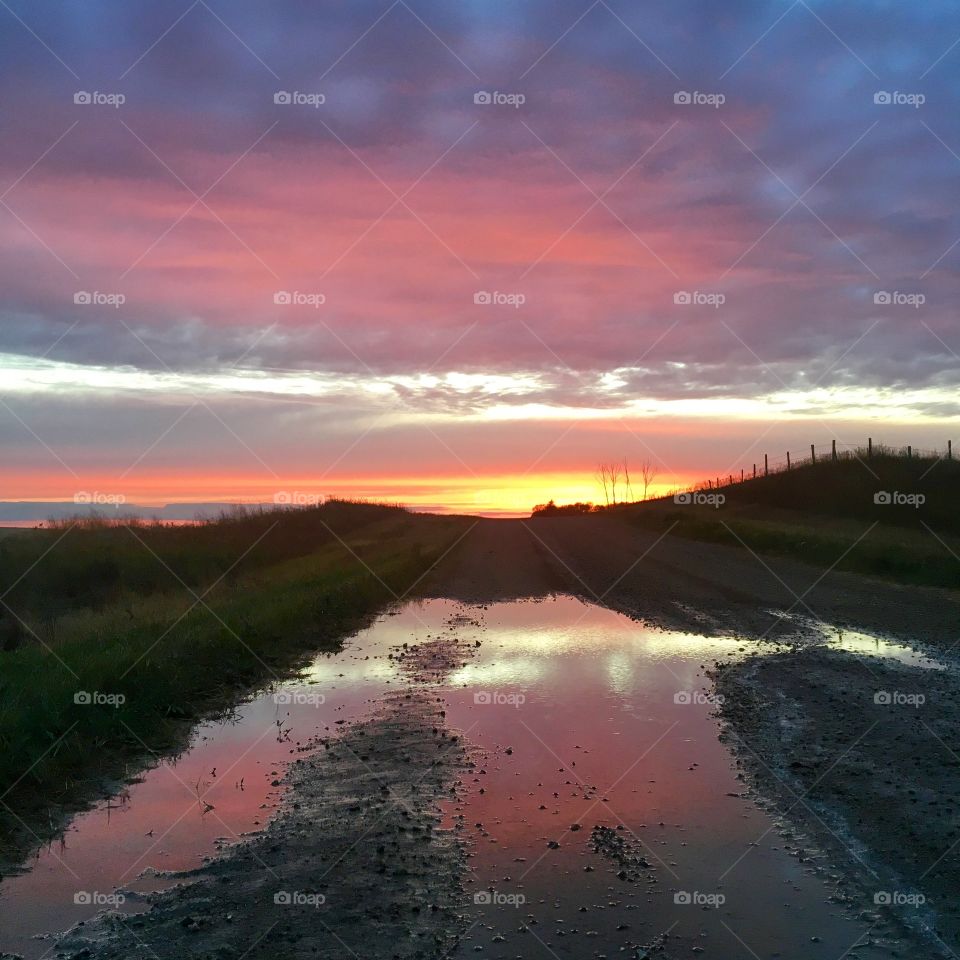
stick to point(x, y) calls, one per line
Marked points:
point(909, 451)
point(788, 459)
point(766, 466)
point(741, 474)
point(813, 453)
point(834, 450)
point(869, 448)
point(754, 471)
point(949, 449)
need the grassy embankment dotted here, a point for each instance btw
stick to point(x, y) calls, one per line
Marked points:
point(824, 513)
point(177, 621)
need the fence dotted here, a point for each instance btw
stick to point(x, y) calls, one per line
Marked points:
point(766, 467)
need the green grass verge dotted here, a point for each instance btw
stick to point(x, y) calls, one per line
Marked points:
point(914, 557)
point(95, 562)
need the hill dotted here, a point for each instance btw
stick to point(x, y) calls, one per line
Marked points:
point(877, 512)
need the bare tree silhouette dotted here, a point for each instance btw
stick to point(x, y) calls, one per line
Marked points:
point(610, 476)
point(647, 474)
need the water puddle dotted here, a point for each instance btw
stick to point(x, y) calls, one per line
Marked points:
point(854, 641)
point(603, 813)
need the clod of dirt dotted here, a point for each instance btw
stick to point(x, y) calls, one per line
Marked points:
point(623, 851)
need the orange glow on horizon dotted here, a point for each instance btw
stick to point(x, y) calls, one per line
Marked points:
point(494, 494)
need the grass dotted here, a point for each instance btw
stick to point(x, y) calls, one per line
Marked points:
point(825, 514)
point(168, 659)
point(900, 555)
point(846, 488)
point(881, 512)
point(93, 563)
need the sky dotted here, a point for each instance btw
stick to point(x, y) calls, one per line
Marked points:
point(456, 254)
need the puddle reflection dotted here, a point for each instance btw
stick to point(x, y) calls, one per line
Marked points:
point(583, 719)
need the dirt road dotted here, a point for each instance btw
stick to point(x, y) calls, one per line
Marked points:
point(356, 863)
point(856, 752)
point(861, 753)
point(872, 785)
point(682, 584)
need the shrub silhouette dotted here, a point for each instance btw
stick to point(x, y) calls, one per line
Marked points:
point(550, 509)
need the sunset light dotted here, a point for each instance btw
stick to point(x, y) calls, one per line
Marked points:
point(479, 479)
point(396, 232)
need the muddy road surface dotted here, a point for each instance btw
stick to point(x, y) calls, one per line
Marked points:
point(751, 764)
point(862, 753)
point(683, 584)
